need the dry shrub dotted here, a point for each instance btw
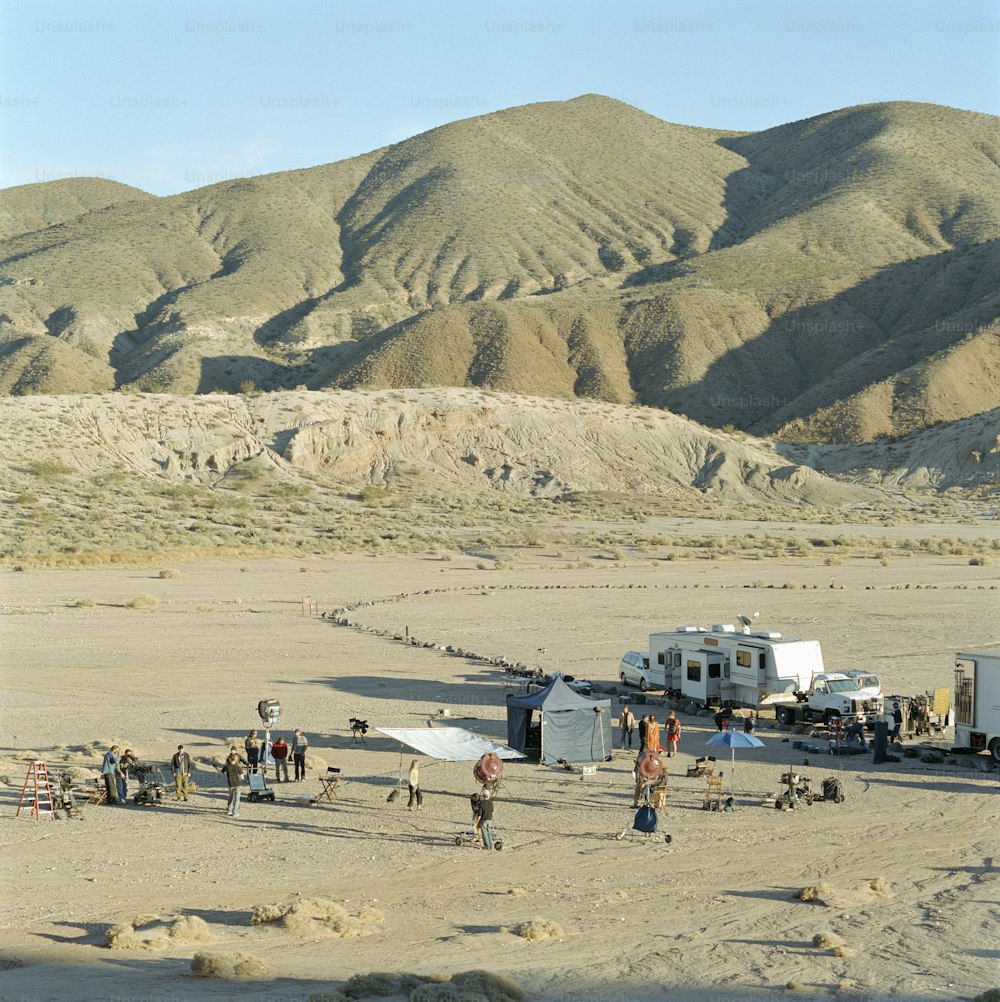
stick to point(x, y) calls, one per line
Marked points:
point(538, 928)
point(442, 993)
point(80, 775)
point(469, 986)
point(170, 574)
point(843, 950)
point(191, 928)
point(143, 601)
point(795, 986)
point(317, 917)
point(494, 987)
point(378, 984)
point(262, 914)
point(827, 940)
point(141, 921)
point(821, 893)
point(122, 937)
point(229, 966)
point(517, 892)
point(10, 963)
point(879, 887)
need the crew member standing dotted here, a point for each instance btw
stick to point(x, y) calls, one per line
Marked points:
point(180, 766)
point(279, 752)
point(485, 821)
point(897, 722)
point(413, 781)
point(299, 745)
point(109, 770)
point(627, 722)
point(234, 780)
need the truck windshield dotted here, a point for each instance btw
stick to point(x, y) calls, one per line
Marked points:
point(841, 685)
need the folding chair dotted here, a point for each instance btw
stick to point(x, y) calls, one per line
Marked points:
point(98, 793)
point(703, 766)
point(713, 794)
point(329, 784)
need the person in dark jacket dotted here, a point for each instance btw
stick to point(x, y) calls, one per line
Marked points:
point(233, 770)
point(299, 745)
point(252, 746)
point(180, 766)
point(127, 762)
point(484, 823)
point(643, 724)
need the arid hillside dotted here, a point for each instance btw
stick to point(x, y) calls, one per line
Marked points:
point(829, 280)
point(445, 469)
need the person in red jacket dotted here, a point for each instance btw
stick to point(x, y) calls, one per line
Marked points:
point(279, 752)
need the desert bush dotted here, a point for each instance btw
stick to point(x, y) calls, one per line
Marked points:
point(170, 574)
point(826, 940)
point(229, 966)
point(143, 601)
point(191, 928)
point(538, 928)
point(820, 893)
point(46, 469)
point(494, 987)
point(83, 603)
point(377, 984)
point(122, 937)
point(980, 561)
point(316, 916)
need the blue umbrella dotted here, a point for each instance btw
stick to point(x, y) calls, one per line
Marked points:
point(734, 740)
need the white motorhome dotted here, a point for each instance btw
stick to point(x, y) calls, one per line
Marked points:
point(729, 665)
point(977, 701)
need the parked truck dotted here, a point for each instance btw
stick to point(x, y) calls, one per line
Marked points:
point(730, 666)
point(977, 702)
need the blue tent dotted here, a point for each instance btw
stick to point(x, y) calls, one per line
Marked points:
point(570, 727)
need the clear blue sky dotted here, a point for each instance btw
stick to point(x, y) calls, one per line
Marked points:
point(171, 95)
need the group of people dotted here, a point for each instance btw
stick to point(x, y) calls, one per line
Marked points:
point(116, 767)
point(115, 771)
point(893, 718)
point(649, 731)
point(261, 752)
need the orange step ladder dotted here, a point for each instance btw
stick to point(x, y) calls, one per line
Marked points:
point(41, 791)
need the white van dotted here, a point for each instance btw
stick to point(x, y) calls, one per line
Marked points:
point(634, 670)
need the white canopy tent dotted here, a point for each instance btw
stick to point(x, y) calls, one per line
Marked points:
point(450, 744)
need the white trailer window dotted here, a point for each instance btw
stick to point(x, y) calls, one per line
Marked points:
point(694, 671)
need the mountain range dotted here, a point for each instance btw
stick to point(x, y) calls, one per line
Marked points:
point(832, 280)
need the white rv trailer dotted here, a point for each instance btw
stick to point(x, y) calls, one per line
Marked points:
point(734, 666)
point(977, 701)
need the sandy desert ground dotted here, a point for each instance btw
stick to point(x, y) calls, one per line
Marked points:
point(910, 858)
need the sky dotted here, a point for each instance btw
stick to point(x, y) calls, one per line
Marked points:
point(169, 96)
